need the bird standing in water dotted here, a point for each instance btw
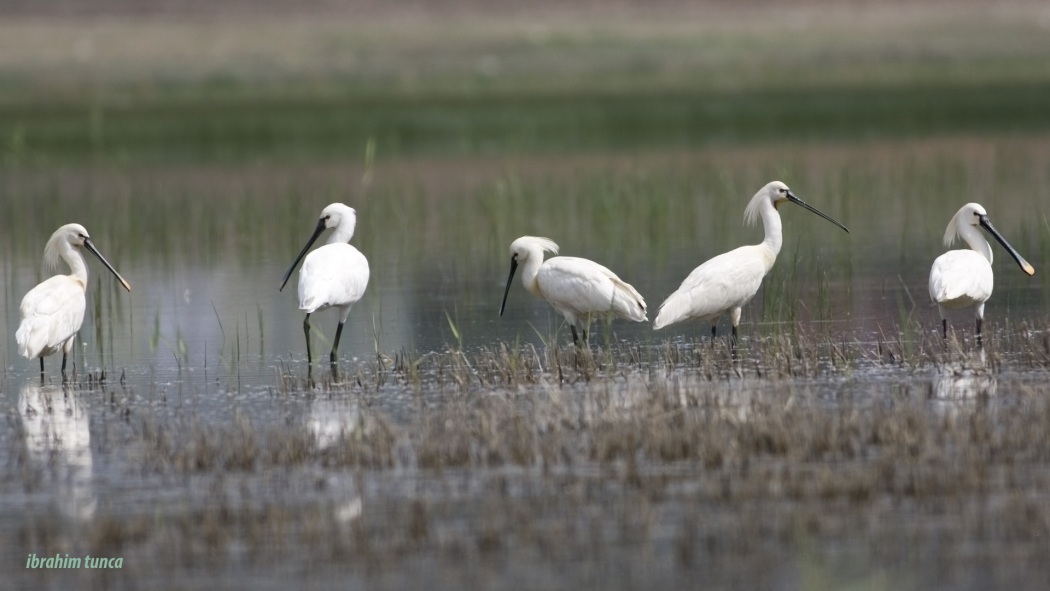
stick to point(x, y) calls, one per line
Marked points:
point(577, 288)
point(963, 278)
point(53, 311)
point(333, 276)
point(728, 281)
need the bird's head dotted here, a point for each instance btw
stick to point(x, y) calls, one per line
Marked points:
point(974, 214)
point(775, 193)
point(522, 250)
point(72, 234)
point(968, 215)
point(526, 246)
point(336, 215)
point(77, 236)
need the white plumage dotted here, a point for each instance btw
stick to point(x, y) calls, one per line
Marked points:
point(721, 285)
point(577, 288)
point(53, 311)
point(726, 282)
point(963, 278)
point(333, 276)
point(52, 314)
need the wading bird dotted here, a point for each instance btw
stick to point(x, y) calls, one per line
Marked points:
point(577, 288)
point(53, 311)
point(728, 281)
point(333, 276)
point(963, 278)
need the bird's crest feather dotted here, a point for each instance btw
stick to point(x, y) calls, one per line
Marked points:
point(52, 251)
point(955, 226)
point(753, 212)
point(546, 244)
point(951, 232)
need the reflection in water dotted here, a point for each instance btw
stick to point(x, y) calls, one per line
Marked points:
point(59, 444)
point(964, 383)
point(331, 421)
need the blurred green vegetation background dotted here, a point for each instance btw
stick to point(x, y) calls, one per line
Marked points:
point(123, 82)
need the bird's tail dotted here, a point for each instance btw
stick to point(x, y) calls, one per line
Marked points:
point(31, 338)
point(628, 303)
point(670, 312)
point(661, 320)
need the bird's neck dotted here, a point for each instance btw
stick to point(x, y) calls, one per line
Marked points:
point(77, 266)
point(973, 237)
point(774, 231)
point(529, 270)
point(340, 235)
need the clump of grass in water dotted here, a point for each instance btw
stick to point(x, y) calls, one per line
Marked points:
point(660, 417)
point(800, 353)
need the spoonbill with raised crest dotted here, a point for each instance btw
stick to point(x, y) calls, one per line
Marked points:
point(333, 276)
point(53, 311)
point(577, 288)
point(728, 281)
point(963, 278)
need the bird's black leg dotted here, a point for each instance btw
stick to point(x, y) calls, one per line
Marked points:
point(64, 379)
point(944, 328)
point(732, 343)
point(335, 348)
point(335, 345)
point(575, 338)
point(980, 321)
point(41, 366)
point(306, 331)
point(714, 333)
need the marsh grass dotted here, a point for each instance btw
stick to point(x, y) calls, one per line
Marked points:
point(683, 207)
point(805, 352)
point(502, 407)
point(671, 462)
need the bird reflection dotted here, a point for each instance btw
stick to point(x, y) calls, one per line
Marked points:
point(59, 443)
point(964, 384)
point(332, 422)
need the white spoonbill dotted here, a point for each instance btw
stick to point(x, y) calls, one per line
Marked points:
point(728, 281)
point(53, 311)
point(333, 276)
point(575, 287)
point(963, 278)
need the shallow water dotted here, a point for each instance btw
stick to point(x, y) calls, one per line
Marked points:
point(197, 484)
point(436, 233)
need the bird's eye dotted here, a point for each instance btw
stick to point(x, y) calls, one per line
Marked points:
point(783, 191)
